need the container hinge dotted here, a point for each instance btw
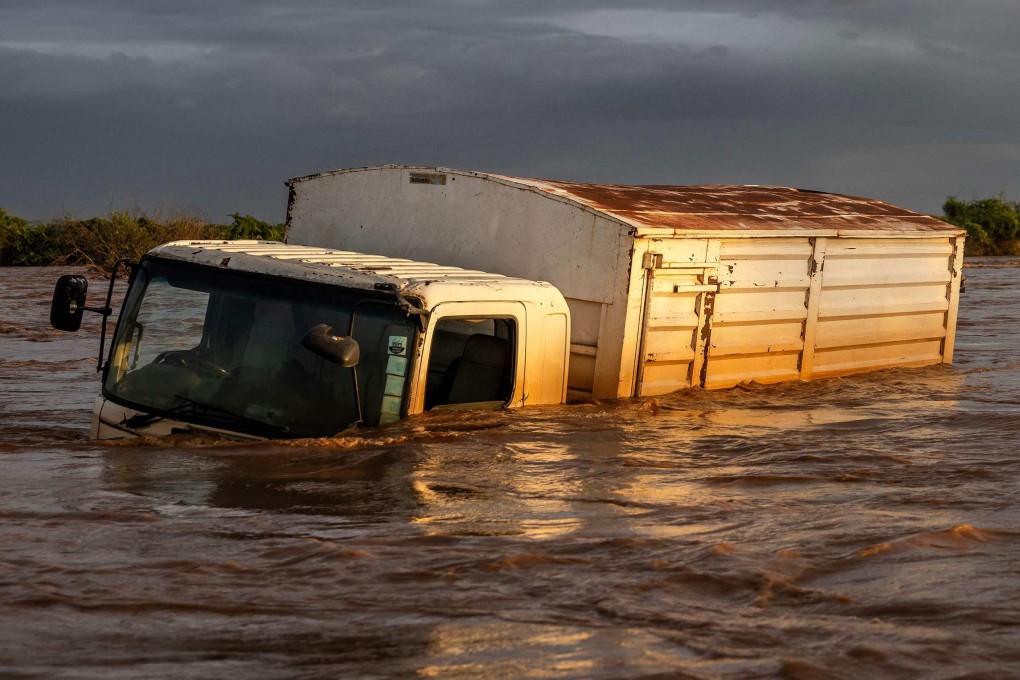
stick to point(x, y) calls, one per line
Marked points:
point(651, 261)
point(814, 267)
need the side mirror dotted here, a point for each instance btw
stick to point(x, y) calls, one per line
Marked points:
point(320, 340)
point(68, 302)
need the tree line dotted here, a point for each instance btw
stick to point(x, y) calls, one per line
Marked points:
point(99, 242)
point(992, 225)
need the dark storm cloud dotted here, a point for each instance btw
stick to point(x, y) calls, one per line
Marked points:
point(210, 106)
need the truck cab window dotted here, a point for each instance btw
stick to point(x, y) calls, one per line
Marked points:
point(223, 349)
point(471, 362)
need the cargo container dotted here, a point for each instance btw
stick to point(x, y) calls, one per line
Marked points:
point(670, 287)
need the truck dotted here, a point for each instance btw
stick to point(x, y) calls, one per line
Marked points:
point(602, 292)
point(258, 339)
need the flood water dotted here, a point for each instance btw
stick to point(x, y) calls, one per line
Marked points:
point(867, 527)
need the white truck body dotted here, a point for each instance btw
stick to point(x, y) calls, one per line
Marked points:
point(670, 287)
point(210, 340)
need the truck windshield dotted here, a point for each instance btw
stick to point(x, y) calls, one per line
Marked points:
point(222, 348)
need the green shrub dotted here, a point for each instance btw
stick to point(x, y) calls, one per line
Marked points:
point(24, 243)
point(99, 242)
point(248, 227)
point(992, 224)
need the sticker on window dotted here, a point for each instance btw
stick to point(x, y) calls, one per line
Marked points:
point(396, 368)
point(397, 345)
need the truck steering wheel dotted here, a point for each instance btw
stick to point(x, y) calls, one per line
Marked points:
point(189, 360)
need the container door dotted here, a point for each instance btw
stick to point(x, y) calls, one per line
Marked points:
point(678, 304)
point(885, 302)
point(760, 319)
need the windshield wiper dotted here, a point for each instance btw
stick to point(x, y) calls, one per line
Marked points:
point(143, 419)
point(189, 405)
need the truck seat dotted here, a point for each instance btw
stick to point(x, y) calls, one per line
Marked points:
point(480, 372)
point(273, 336)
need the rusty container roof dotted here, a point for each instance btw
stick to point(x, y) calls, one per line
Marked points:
point(723, 207)
point(654, 209)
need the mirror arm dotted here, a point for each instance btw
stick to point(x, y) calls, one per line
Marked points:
point(403, 303)
point(105, 311)
point(410, 309)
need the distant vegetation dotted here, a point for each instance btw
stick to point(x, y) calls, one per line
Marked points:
point(992, 224)
point(99, 242)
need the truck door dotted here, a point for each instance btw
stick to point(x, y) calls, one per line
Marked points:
point(473, 357)
point(676, 327)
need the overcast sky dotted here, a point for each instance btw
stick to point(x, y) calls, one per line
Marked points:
point(209, 106)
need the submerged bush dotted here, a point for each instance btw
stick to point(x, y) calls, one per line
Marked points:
point(99, 242)
point(24, 243)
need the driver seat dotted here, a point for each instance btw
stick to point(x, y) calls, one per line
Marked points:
point(480, 373)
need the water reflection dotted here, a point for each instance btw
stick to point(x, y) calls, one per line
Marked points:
point(268, 477)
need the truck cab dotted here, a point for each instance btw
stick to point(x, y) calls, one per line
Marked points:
point(256, 339)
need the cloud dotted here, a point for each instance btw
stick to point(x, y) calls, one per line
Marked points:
point(209, 106)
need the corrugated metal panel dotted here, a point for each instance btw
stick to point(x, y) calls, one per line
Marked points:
point(718, 207)
point(671, 330)
point(759, 314)
point(398, 269)
point(797, 308)
point(882, 305)
point(679, 286)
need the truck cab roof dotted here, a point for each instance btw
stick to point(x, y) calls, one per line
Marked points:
point(431, 283)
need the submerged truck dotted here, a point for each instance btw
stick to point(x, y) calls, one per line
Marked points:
point(268, 340)
point(602, 292)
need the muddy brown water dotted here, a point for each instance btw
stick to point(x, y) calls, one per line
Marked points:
point(866, 527)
